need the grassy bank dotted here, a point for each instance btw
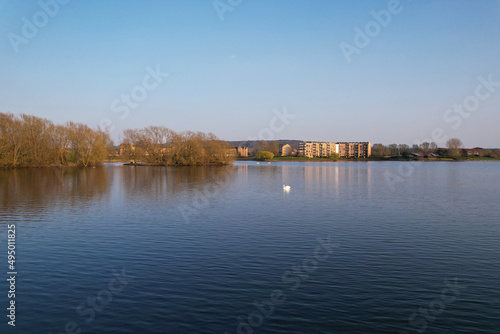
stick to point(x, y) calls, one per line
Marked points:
point(481, 159)
point(302, 159)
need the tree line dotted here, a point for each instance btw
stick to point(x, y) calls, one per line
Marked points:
point(30, 141)
point(454, 149)
point(380, 150)
point(158, 145)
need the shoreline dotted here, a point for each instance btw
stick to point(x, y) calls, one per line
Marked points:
point(125, 163)
point(370, 160)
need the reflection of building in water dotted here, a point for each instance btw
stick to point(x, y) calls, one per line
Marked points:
point(243, 173)
point(344, 149)
point(369, 181)
point(286, 174)
point(322, 178)
point(343, 179)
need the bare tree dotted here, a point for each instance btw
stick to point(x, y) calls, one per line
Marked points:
point(132, 145)
point(61, 142)
point(403, 148)
point(12, 141)
point(270, 146)
point(379, 150)
point(425, 147)
point(454, 146)
point(38, 136)
point(394, 149)
point(88, 146)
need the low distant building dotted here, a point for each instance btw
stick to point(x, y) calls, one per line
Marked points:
point(286, 150)
point(316, 149)
point(474, 152)
point(423, 155)
point(355, 149)
point(237, 151)
point(344, 149)
point(471, 152)
point(242, 151)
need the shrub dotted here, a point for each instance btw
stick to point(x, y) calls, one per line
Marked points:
point(334, 156)
point(264, 155)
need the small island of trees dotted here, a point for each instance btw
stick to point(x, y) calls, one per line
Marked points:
point(30, 141)
point(158, 145)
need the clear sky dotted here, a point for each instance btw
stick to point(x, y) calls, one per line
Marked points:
point(230, 76)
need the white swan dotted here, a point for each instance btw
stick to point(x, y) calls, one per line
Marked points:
point(286, 188)
point(258, 163)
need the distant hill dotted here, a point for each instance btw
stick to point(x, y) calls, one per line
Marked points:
point(255, 143)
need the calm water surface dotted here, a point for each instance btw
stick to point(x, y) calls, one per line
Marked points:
point(204, 250)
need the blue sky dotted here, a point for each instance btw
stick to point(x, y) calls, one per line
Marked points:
point(229, 76)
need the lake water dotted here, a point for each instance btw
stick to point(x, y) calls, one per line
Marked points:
point(354, 247)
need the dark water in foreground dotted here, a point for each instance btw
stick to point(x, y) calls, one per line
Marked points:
point(208, 250)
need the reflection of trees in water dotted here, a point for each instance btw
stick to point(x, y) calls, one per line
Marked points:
point(167, 181)
point(33, 190)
